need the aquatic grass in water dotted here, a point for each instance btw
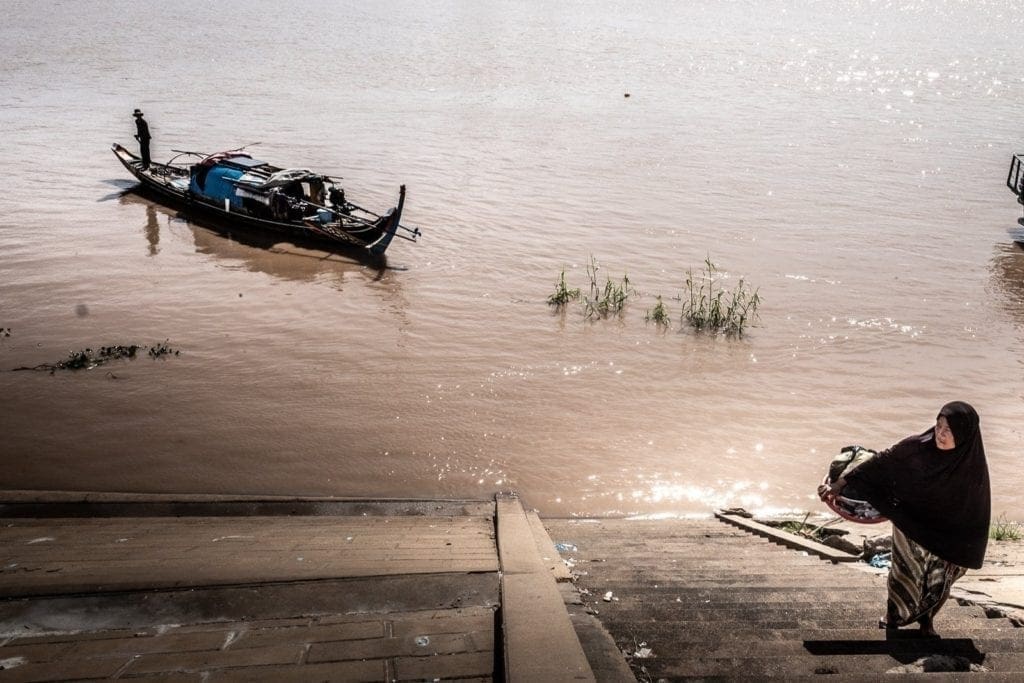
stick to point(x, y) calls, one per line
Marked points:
point(604, 301)
point(707, 305)
point(659, 314)
point(1003, 530)
point(563, 294)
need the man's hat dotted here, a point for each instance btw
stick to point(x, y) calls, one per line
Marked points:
point(137, 112)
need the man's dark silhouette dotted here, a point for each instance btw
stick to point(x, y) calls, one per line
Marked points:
point(142, 136)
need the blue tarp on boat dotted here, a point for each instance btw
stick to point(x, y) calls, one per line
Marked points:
point(215, 183)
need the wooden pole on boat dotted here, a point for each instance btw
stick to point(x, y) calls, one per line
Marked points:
point(415, 232)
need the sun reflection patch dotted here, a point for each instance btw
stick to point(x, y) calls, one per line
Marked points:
point(738, 493)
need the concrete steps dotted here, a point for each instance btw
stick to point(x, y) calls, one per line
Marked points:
point(714, 602)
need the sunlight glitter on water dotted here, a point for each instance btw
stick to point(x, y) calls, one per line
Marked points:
point(742, 494)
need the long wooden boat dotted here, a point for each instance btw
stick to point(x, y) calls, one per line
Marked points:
point(243, 192)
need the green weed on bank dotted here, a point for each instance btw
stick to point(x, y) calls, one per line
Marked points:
point(1003, 530)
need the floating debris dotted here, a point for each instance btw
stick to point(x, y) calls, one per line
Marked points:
point(87, 359)
point(162, 349)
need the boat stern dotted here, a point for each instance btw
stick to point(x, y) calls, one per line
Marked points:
point(390, 223)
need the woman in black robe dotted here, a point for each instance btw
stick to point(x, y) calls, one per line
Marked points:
point(934, 487)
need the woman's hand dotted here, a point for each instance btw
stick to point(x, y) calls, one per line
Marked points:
point(830, 491)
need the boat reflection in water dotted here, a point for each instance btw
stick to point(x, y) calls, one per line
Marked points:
point(152, 230)
point(1008, 277)
point(288, 259)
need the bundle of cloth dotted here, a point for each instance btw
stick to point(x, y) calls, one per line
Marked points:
point(851, 505)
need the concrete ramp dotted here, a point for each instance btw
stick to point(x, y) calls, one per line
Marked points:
point(107, 586)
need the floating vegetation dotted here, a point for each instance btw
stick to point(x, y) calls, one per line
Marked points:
point(659, 314)
point(563, 294)
point(87, 359)
point(5, 332)
point(1002, 530)
point(603, 301)
point(162, 349)
point(707, 305)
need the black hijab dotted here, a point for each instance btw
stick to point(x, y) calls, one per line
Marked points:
point(940, 499)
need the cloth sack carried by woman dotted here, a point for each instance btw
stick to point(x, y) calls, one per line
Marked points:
point(851, 505)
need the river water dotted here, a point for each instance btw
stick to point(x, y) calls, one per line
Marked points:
point(847, 159)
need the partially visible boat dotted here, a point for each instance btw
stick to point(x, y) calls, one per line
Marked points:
point(235, 189)
point(1015, 178)
point(1015, 181)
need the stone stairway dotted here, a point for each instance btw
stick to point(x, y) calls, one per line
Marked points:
point(713, 602)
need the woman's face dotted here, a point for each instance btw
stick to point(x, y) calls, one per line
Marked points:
point(944, 435)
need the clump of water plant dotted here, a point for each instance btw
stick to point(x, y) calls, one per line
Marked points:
point(604, 301)
point(659, 314)
point(87, 359)
point(563, 294)
point(708, 305)
point(1003, 530)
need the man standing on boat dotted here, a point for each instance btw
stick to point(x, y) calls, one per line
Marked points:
point(142, 136)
